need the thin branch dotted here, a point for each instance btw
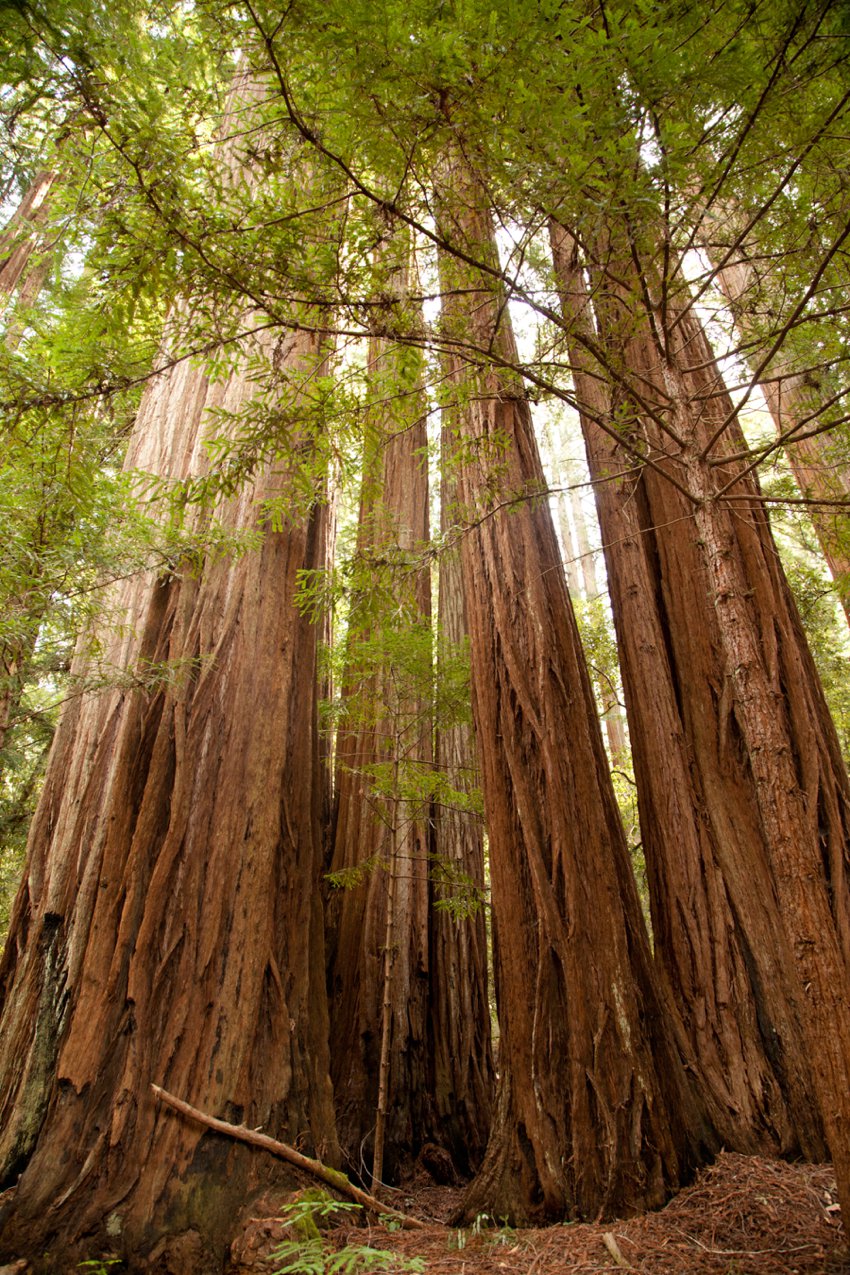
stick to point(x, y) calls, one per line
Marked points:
point(315, 1168)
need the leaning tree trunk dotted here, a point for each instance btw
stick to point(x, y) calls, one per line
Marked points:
point(594, 1113)
point(462, 1074)
point(169, 927)
point(718, 931)
point(770, 704)
point(378, 980)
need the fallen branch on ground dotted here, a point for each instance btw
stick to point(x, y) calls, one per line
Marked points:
point(315, 1168)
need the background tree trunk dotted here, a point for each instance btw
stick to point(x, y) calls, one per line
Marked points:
point(382, 829)
point(461, 1059)
point(594, 1115)
point(819, 467)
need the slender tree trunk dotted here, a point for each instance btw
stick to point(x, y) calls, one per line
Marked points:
point(772, 708)
point(461, 1052)
point(386, 723)
point(594, 1112)
point(19, 240)
point(718, 931)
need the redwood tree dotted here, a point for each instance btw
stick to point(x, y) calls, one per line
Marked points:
point(169, 929)
point(594, 1113)
point(378, 957)
point(718, 930)
point(461, 1058)
point(770, 708)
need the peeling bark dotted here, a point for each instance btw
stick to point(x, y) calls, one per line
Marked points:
point(770, 706)
point(169, 928)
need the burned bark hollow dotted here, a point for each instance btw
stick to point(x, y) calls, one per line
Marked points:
point(716, 922)
point(770, 711)
point(594, 1114)
point(168, 928)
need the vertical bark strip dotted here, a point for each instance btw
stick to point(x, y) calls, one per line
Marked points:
point(594, 1115)
point(718, 931)
point(169, 927)
point(462, 1075)
point(382, 834)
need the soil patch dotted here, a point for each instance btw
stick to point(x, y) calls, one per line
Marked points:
point(742, 1216)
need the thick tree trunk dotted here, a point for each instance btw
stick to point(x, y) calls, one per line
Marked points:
point(168, 928)
point(717, 926)
point(378, 982)
point(818, 466)
point(594, 1113)
point(462, 1074)
point(771, 707)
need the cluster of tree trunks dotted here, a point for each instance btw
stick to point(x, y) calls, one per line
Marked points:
point(172, 928)
point(738, 692)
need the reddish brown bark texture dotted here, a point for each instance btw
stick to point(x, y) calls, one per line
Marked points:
point(765, 712)
point(20, 240)
point(593, 1111)
point(462, 1074)
point(169, 927)
point(716, 922)
point(386, 724)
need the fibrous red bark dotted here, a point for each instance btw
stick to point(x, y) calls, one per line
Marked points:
point(594, 1112)
point(769, 712)
point(717, 927)
point(169, 928)
point(378, 955)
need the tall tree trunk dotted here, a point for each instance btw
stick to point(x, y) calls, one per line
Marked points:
point(19, 240)
point(594, 1113)
point(169, 926)
point(718, 931)
point(771, 707)
point(461, 1052)
point(382, 828)
point(792, 398)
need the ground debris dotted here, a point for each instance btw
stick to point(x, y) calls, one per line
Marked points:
point(742, 1216)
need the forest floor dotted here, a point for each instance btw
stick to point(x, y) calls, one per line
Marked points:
point(742, 1216)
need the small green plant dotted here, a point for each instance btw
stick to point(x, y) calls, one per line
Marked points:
point(98, 1265)
point(310, 1253)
